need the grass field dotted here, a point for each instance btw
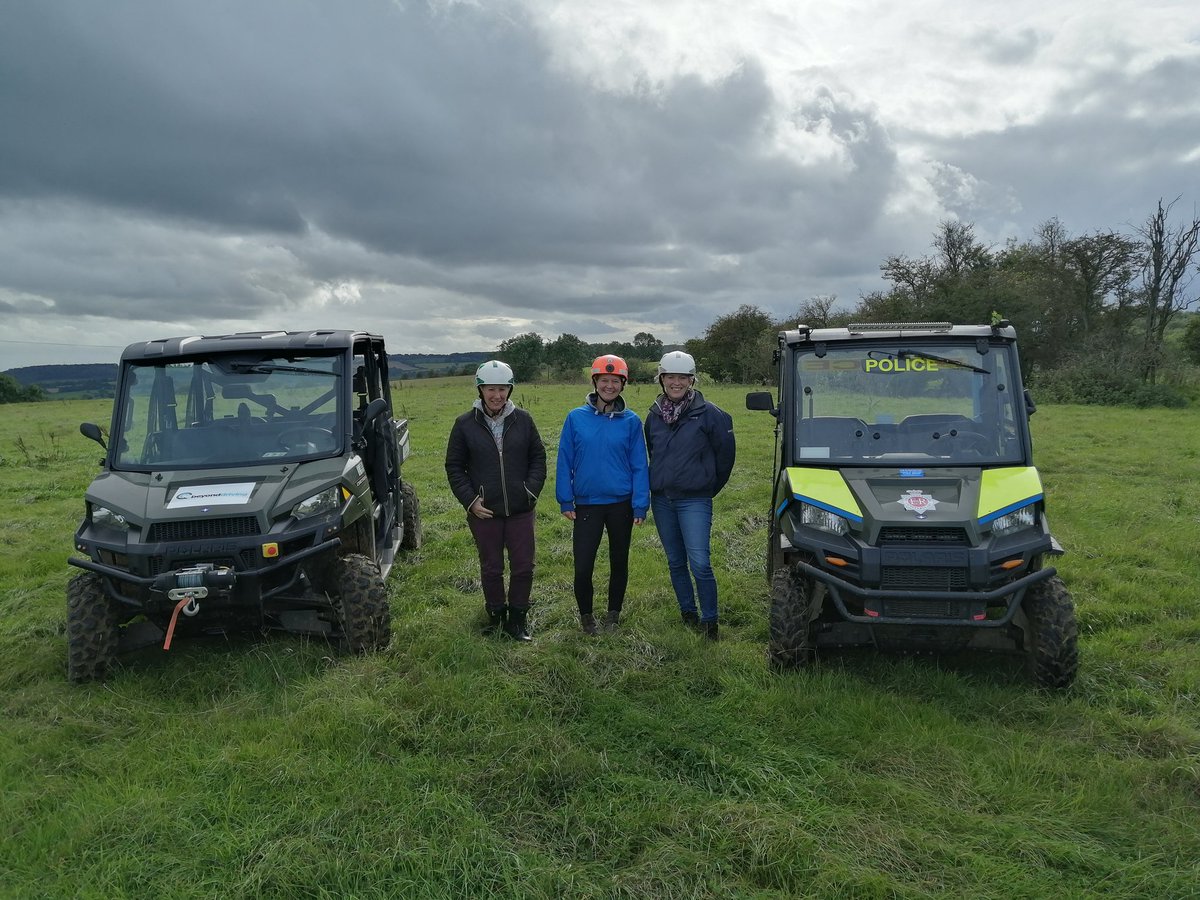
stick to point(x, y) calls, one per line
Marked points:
point(645, 764)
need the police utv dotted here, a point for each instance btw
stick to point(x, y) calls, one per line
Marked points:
point(249, 481)
point(907, 513)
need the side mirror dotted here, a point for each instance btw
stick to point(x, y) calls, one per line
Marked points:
point(90, 430)
point(761, 400)
point(375, 408)
point(1030, 406)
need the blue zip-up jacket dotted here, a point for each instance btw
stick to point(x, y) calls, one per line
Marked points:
point(602, 459)
point(693, 458)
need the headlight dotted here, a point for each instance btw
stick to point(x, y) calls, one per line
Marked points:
point(326, 501)
point(103, 517)
point(823, 520)
point(1014, 521)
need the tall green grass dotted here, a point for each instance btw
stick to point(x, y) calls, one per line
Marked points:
point(648, 763)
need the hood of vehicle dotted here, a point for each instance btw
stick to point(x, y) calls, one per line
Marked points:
point(909, 496)
point(261, 491)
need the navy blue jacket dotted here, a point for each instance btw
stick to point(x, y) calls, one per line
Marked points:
point(694, 457)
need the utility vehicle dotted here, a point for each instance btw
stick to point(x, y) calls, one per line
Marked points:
point(249, 481)
point(907, 513)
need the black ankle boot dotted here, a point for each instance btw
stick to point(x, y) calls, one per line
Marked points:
point(691, 619)
point(515, 626)
point(587, 622)
point(612, 619)
point(709, 629)
point(495, 620)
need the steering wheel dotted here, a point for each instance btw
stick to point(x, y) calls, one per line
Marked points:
point(305, 434)
point(961, 439)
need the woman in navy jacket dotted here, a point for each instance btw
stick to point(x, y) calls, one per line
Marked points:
point(692, 448)
point(601, 485)
point(496, 466)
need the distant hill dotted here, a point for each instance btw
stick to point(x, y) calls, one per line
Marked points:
point(86, 381)
point(99, 380)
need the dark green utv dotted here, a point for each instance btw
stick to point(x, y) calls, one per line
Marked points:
point(907, 512)
point(250, 481)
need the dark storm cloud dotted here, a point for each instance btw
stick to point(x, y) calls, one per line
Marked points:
point(407, 130)
point(441, 136)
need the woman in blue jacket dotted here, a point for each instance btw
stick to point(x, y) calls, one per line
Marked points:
point(601, 485)
point(691, 447)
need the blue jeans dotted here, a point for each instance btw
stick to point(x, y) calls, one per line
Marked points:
point(685, 529)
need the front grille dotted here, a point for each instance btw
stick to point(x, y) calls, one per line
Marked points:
point(929, 609)
point(906, 534)
point(202, 529)
point(923, 578)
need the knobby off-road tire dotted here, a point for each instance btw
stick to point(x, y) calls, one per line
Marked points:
point(364, 613)
point(91, 629)
point(792, 644)
point(412, 518)
point(1051, 641)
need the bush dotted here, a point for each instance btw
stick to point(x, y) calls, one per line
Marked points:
point(1100, 380)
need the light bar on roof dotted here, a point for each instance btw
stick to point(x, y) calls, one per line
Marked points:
point(899, 326)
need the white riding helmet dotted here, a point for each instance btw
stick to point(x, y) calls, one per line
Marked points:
point(494, 372)
point(677, 363)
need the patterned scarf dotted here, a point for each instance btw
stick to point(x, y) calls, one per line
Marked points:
point(670, 410)
point(496, 422)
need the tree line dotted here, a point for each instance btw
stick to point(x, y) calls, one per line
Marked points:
point(531, 356)
point(1101, 317)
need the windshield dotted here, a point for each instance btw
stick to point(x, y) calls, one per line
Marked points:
point(908, 403)
point(224, 411)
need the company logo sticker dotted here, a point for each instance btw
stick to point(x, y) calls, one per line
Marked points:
point(212, 495)
point(917, 501)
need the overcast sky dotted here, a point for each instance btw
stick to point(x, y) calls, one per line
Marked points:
point(454, 173)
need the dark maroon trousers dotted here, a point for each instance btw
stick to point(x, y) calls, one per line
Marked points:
point(492, 537)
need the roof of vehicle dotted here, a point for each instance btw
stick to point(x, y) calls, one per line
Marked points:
point(286, 342)
point(803, 334)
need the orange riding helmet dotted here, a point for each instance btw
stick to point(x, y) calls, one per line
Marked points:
point(610, 365)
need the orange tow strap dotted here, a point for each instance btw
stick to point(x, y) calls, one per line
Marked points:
point(174, 618)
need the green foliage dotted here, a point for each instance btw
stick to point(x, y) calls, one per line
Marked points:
point(1109, 378)
point(524, 353)
point(646, 764)
point(12, 391)
point(738, 347)
point(1191, 340)
point(566, 357)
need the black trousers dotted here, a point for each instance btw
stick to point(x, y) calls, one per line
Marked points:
point(591, 521)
